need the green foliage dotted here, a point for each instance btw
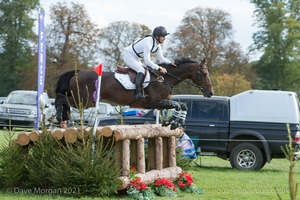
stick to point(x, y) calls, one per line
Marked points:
point(289, 152)
point(16, 36)
point(85, 168)
point(40, 158)
point(278, 38)
point(13, 172)
point(182, 161)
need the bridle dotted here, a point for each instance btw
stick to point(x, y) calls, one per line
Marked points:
point(198, 76)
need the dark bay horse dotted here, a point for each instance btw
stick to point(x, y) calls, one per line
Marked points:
point(73, 86)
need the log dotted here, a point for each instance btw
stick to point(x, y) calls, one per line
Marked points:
point(34, 135)
point(23, 139)
point(171, 173)
point(70, 135)
point(147, 131)
point(107, 131)
point(99, 133)
point(83, 134)
point(125, 157)
point(58, 133)
point(141, 166)
point(172, 151)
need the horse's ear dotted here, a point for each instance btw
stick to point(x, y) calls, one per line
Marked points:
point(203, 62)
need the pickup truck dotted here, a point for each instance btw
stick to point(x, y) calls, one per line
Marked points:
point(248, 129)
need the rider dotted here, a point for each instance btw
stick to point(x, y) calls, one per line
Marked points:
point(142, 49)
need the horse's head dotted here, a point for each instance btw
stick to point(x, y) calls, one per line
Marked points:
point(202, 79)
point(197, 72)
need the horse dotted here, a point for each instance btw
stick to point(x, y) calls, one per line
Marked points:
point(73, 86)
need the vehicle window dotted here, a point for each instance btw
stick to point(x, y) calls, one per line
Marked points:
point(205, 110)
point(17, 98)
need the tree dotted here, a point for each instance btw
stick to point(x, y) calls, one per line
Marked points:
point(278, 39)
point(203, 33)
point(115, 37)
point(206, 33)
point(71, 36)
point(229, 85)
point(16, 38)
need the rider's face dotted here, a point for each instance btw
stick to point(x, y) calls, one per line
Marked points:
point(161, 39)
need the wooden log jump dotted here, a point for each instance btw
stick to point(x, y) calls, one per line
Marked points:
point(130, 143)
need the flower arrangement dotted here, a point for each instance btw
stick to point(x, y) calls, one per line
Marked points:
point(164, 187)
point(139, 190)
point(186, 184)
point(132, 173)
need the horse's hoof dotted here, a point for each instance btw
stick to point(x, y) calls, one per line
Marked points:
point(52, 119)
point(174, 126)
point(165, 123)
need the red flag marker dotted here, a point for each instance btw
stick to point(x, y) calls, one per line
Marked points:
point(98, 70)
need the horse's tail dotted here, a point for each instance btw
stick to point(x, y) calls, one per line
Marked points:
point(62, 91)
point(63, 83)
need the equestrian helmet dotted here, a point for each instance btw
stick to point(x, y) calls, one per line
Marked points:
point(160, 31)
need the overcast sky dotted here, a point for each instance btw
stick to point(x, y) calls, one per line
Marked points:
point(154, 13)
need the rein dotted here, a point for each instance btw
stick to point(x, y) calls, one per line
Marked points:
point(187, 82)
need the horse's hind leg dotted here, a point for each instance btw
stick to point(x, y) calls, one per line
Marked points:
point(62, 108)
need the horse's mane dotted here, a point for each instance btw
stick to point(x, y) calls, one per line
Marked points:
point(182, 60)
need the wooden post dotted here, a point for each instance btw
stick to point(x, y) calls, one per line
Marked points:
point(125, 157)
point(141, 156)
point(172, 151)
point(158, 153)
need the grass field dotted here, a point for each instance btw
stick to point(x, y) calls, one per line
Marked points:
point(218, 181)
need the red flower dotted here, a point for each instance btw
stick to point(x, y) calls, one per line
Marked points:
point(133, 169)
point(138, 184)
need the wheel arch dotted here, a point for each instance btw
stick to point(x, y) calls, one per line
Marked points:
point(246, 136)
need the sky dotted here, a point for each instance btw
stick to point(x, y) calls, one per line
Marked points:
point(165, 13)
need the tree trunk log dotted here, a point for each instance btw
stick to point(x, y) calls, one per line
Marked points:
point(146, 131)
point(23, 139)
point(172, 151)
point(70, 135)
point(34, 135)
point(58, 133)
point(141, 167)
point(125, 157)
point(171, 173)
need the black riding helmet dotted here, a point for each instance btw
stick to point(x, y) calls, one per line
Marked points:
point(160, 31)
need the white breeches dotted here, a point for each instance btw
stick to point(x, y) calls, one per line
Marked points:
point(134, 63)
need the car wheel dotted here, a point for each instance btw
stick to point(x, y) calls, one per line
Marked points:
point(246, 156)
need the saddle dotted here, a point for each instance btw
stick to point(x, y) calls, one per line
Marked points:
point(132, 74)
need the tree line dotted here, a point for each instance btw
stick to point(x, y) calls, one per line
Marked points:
point(202, 33)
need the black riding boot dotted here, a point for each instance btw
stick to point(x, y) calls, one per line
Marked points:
point(139, 87)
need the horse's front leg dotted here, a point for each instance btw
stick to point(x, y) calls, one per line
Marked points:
point(179, 114)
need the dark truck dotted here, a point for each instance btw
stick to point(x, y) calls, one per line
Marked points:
point(248, 129)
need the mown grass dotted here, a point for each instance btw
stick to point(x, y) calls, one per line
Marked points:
point(217, 179)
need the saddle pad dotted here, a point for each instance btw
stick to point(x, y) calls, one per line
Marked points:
point(127, 84)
